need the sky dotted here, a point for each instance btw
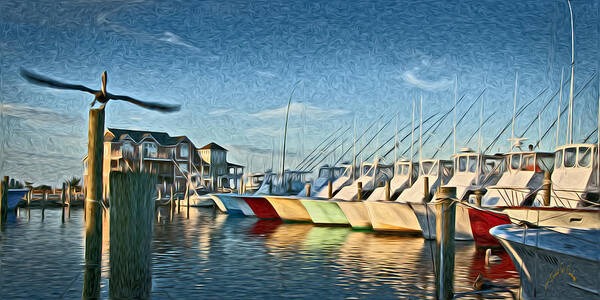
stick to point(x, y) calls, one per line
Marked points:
point(232, 66)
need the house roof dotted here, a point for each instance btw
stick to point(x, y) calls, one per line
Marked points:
point(213, 146)
point(162, 138)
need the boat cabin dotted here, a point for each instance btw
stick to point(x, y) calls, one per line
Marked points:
point(341, 181)
point(373, 175)
point(405, 173)
point(574, 180)
point(522, 175)
point(474, 171)
point(253, 182)
point(437, 171)
point(326, 173)
point(291, 183)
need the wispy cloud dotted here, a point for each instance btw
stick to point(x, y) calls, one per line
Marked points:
point(430, 85)
point(37, 113)
point(220, 112)
point(312, 112)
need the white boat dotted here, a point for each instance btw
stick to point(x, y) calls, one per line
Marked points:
point(326, 173)
point(553, 262)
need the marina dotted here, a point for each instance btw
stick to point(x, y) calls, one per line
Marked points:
point(369, 150)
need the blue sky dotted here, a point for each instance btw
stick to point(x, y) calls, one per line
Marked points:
point(232, 65)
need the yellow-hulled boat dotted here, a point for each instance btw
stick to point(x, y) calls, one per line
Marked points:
point(289, 208)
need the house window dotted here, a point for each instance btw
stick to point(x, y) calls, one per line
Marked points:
point(150, 149)
point(183, 167)
point(127, 148)
point(183, 150)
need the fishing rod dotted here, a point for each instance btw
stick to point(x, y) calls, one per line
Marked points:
point(323, 149)
point(388, 140)
point(565, 109)
point(590, 135)
point(458, 123)
point(310, 163)
point(475, 132)
point(519, 112)
point(423, 143)
point(407, 135)
point(542, 110)
point(324, 157)
point(315, 149)
point(362, 134)
point(373, 137)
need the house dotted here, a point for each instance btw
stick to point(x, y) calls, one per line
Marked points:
point(171, 158)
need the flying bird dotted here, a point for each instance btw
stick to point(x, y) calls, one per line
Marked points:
point(99, 95)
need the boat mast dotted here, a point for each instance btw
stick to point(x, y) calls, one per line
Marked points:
point(412, 140)
point(287, 114)
point(421, 132)
point(480, 156)
point(562, 74)
point(512, 137)
point(570, 131)
point(454, 112)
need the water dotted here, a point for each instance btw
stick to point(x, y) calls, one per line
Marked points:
point(219, 256)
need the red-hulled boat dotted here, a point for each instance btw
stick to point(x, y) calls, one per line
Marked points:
point(482, 221)
point(261, 207)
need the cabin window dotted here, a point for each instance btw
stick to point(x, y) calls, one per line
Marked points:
point(527, 163)
point(545, 163)
point(472, 164)
point(426, 167)
point(183, 167)
point(515, 161)
point(150, 149)
point(405, 169)
point(585, 156)
point(324, 173)
point(183, 150)
point(570, 157)
point(558, 157)
point(462, 163)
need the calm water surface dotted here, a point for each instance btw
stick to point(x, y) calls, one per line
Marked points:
point(219, 256)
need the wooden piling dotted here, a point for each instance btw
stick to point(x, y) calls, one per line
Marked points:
point(172, 203)
point(4, 199)
point(187, 200)
point(478, 196)
point(425, 188)
point(329, 189)
point(44, 198)
point(445, 232)
point(547, 187)
point(63, 198)
point(308, 190)
point(359, 191)
point(131, 219)
point(387, 190)
point(93, 208)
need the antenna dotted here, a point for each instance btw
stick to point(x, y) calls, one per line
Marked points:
point(354, 149)
point(454, 112)
point(570, 132)
point(562, 74)
point(421, 132)
point(412, 139)
point(512, 136)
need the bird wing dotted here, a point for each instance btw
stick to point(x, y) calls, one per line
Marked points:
point(49, 82)
point(149, 105)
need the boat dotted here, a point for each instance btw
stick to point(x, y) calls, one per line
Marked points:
point(291, 208)
point(357, 213)
point(329, 211)
point(573, 194)
point(407, 212)
point(266, 201)
point(472, 172)
point(553, 262)
point(14, 197)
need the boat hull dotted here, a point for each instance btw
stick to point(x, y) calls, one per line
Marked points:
point(356, 213)
point(289, 209)
point(556, 216)
point(324, 211)
point(392, 216)
point(261, 207)
point(220, 200)
point(481, 223)
point(462, 223)
point(200, 201)
point(553, 263)
point(15, 196)
point(425, 214)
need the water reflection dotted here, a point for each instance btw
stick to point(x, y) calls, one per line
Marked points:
point(216, 255)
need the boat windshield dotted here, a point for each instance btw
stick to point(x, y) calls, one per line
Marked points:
point(515, 161)
point(570, 154)
point(337, 172)
point(584, 157)
point(462, 163)
point(558, 157)
point(324, 173)
point(472, 163)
